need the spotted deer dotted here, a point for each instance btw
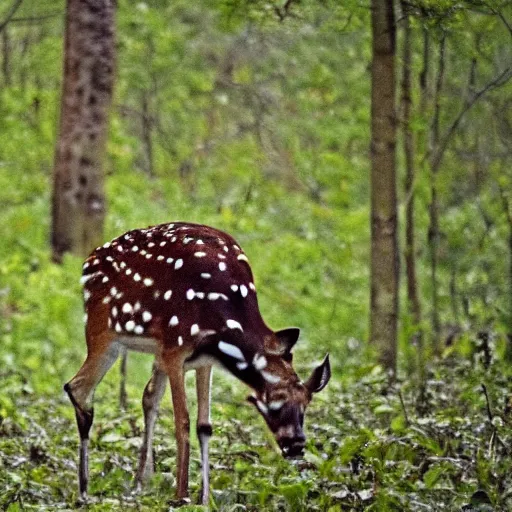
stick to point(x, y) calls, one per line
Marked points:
point(185, 293)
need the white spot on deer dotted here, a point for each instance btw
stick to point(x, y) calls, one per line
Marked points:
point(261, 407)
point(243, 290)
point(138, 329)
point(226, 248)
point(120, 249)
point(135, 248)
point(199, 242)
point(206, 275)
point(233, 324)
point(200, 295)
point(114, 311)
point(86, 278)
point(108, 258)
point(270, 377)
point(173, 322)
point(156, 294)
point(221, 256)
point(242, 257)
point(113, 291)
point(148, 256)
point(231, 350)
point(162, 244)
point(199, 254)
point(234, 287)
point(87, 295)
point(178, 264)
point(128, 271)
point(143, 252)
point(180, 341)
point(96, 262)
point(186, 240)
point(151, 244)
point(105, 280)
point(160, 258)
point(106, 245)
point(127, 308)
point(276, 405)
point(167, 294)
point(252, 287)
point(136, 277)
point(242, 365)
point(106, 299)
point(173, 239)
point(194, 330)
point(148, 281)
point(222, 266)
point(85, 318)
point(213, 296)
point(146, 316)
point(236, 248)
point(190, 294)
point(122, 264)
point(259, 362)
point(169, 260)
point(86, 264)
point(136, 307)
point(109, 323)
point(129, 326)
point(119, 295)
point(118, 327)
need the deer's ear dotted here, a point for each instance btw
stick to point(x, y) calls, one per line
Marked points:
point(286, 339)
point(320, 376)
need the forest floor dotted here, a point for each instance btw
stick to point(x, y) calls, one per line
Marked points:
point(370, 447)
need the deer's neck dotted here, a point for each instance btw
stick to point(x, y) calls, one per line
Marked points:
point(241, 353)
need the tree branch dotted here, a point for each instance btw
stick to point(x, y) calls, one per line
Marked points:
point(10, 14)
point(500, 80)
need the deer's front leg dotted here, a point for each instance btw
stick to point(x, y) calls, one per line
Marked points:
point(150, 402)
point(204, 427)
point(176, 374)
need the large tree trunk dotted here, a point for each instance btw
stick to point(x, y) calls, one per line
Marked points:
point(384, 258)
point(413, 300)
point(89, 62)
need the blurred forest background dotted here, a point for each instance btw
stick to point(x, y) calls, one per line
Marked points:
point(254, 117)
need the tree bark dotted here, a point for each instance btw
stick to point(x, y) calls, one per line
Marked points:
point(78, 190)
point(413, 300)
point(384, 246)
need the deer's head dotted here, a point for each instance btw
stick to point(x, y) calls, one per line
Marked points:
point(283, 399)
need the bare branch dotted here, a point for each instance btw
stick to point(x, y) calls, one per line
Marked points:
point(10, 14)
point(500, 80)
point(36, 19)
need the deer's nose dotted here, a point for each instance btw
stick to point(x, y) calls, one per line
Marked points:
point(293, 446)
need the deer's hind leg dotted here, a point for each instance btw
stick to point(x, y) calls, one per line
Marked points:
point(102, 352)
point(150, 402)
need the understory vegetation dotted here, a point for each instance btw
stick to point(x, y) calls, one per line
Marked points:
point(260, 127)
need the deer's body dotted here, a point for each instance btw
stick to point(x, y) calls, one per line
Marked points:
point(185, 293)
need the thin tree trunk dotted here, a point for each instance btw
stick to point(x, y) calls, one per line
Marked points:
point(147, 128)
point(78, 193)
point(433, 234)
point(384, 257)
point(413, 300)
point(507, 209)
point(6, 54)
